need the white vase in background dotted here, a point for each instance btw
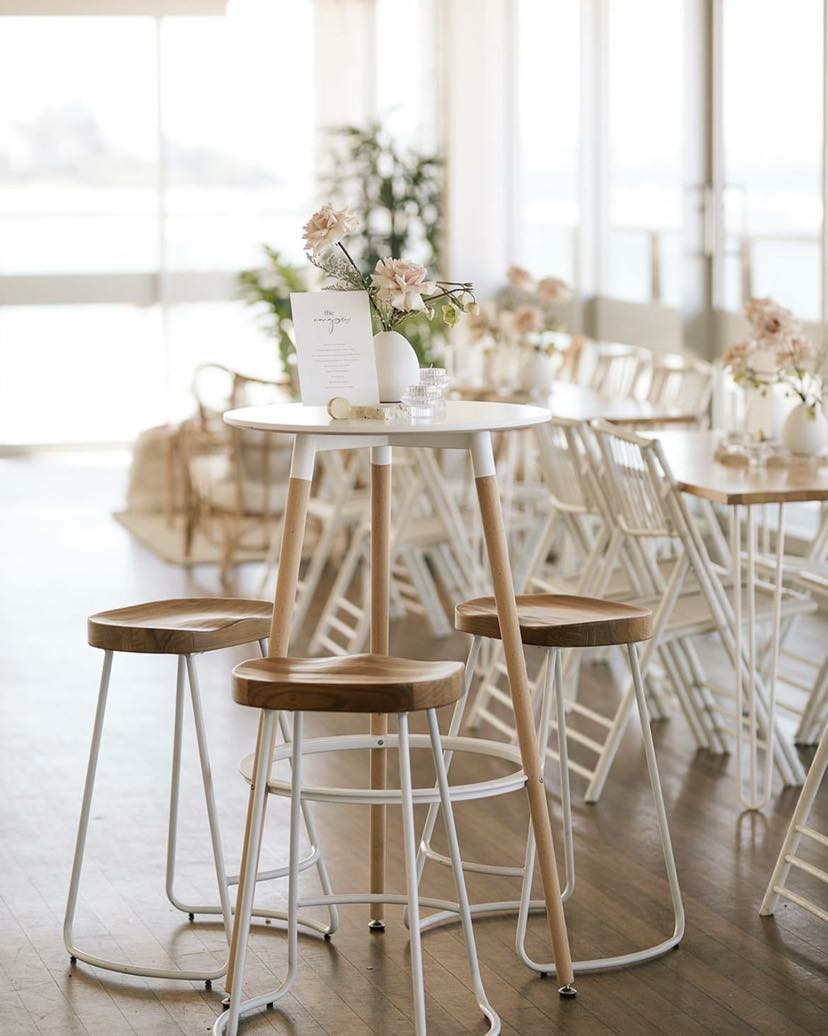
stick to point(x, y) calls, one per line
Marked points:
point(397, 365)
point(805, 430)
point(538, 374)
point(763, 414)
point(764, 406)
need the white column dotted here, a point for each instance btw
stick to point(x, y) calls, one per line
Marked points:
point(476, 49)
point(345, 66)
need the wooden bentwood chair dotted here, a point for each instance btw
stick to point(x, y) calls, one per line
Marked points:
point(183, 628)
point(360, 684)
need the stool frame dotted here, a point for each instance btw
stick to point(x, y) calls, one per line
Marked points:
point(552, 692)
point(227, 1023)
point(224, 909)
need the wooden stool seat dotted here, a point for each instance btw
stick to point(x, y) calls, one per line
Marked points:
point(347, 683)
point(181, 627)
point(560, 620)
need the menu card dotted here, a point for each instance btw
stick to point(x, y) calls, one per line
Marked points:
point(334, 347)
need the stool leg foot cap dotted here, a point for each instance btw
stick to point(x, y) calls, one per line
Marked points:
point(376, 926)
point(191, 917)
point(225, 1003)
point(269, 1006)
point(568, 991)
point(73, 960)
point(208, 983)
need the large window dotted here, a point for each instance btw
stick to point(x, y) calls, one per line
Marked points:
point(548, 126)
point(612, 160)
point(645, 106)
point(142, 163)
point(772, 133)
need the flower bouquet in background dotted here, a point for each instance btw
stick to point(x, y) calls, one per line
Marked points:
point(518, 329)
point(778, 353)
point(397, 289)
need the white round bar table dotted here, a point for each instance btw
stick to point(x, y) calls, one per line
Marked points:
point(465, 426)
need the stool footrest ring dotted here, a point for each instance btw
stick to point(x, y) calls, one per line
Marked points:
point(503, 785)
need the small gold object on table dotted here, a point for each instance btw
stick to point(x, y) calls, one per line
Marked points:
point(341, 410)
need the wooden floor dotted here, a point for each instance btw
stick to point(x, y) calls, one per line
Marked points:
point(63, 557)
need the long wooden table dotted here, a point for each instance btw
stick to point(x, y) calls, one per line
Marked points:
point(579, 403)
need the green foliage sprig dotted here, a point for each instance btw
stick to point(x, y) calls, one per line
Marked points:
point(268, 288)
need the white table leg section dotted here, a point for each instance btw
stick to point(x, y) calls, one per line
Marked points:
point(380, 597)
point(736, 553)
point(756, 798)
point(496, 547)
point(290, 557)
point(776, 631)
point(753, 802)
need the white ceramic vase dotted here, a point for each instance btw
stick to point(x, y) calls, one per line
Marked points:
point(764, 410)
point(764, 407)
point(805, 431)
point(397, 365)
point(538, 374)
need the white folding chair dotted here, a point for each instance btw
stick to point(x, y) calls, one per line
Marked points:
point(678, 382)
point(649, 504)
point(617, 369)
point(799, 829)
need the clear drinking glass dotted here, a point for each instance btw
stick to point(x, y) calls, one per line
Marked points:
point(435, 381)
point(420, 401)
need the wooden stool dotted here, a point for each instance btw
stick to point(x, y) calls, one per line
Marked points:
point(555, 622)
point(183, 628)
point(369, 684)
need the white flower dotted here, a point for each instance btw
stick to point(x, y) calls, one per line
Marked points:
point(519, 278)
point(401, 283)
point(327, 227)
point(552, 290)
point(528, 319)
point(770, 322)
point(736, 358)
point(795, 353)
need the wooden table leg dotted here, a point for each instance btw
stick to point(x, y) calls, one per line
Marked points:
point(497, 549)
point(380, 593)
point(290, 557)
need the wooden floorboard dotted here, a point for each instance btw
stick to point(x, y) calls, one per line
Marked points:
point(62, 558)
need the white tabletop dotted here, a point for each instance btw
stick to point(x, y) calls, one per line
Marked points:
point(461, 417)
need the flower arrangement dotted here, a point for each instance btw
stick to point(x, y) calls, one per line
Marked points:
point(521, 312)
point(775, 352)
point(397, 288)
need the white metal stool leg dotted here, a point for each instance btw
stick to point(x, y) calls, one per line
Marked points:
point(209, 794)
point(314, 857)
point(637, 956)
point(310, 827)
point(424, 850)
point(225, 908)
point(74, 951)
point(459, 881)
point(228, 1022)
point(83, 822)
point(409, 844)
point(316, 852)
point(427, 852)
